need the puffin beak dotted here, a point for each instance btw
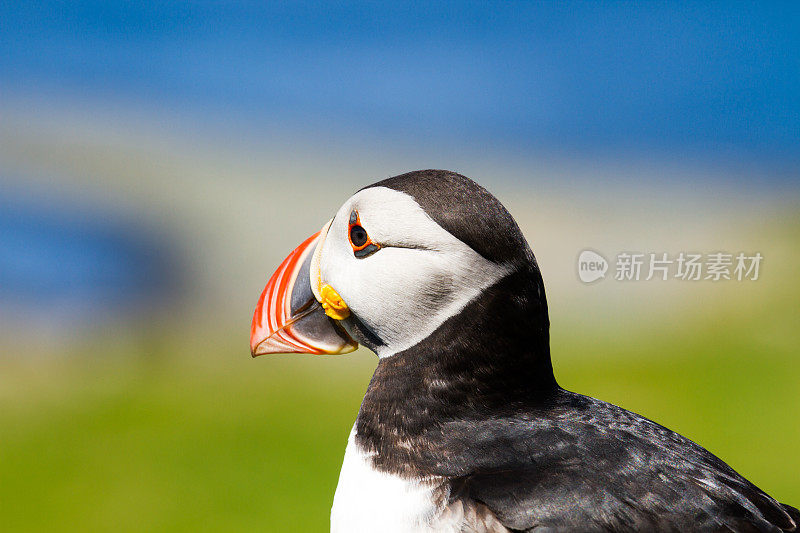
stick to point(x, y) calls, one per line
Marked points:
point(289, 318)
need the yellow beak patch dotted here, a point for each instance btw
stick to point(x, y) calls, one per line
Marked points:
point(332, 303)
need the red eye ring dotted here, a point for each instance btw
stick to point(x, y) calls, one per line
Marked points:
point(359, 238)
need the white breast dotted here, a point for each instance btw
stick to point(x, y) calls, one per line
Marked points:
point(368, 500)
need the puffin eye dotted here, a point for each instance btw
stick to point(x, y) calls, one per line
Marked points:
point(358, 236)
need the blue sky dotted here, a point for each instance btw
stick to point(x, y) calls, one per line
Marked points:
point(720, 79)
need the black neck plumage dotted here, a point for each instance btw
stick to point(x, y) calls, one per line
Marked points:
point(492, 359)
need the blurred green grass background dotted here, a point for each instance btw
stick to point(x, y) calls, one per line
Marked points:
point(159, 159)
point(158, 420)
point(175, 434)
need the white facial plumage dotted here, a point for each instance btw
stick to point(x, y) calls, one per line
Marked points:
point(421, 276)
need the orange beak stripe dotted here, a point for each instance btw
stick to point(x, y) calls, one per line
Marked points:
point(276, 297)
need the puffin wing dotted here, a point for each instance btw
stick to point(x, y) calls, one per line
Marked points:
point(513, 501)
point(599, 467)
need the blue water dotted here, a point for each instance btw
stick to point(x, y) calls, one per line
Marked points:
point(78, 262)
point(709, 79)
point(718, 78)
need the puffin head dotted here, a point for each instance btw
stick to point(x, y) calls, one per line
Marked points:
point(398, 260)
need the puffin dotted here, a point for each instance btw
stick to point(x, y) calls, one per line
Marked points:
point(463, 426)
